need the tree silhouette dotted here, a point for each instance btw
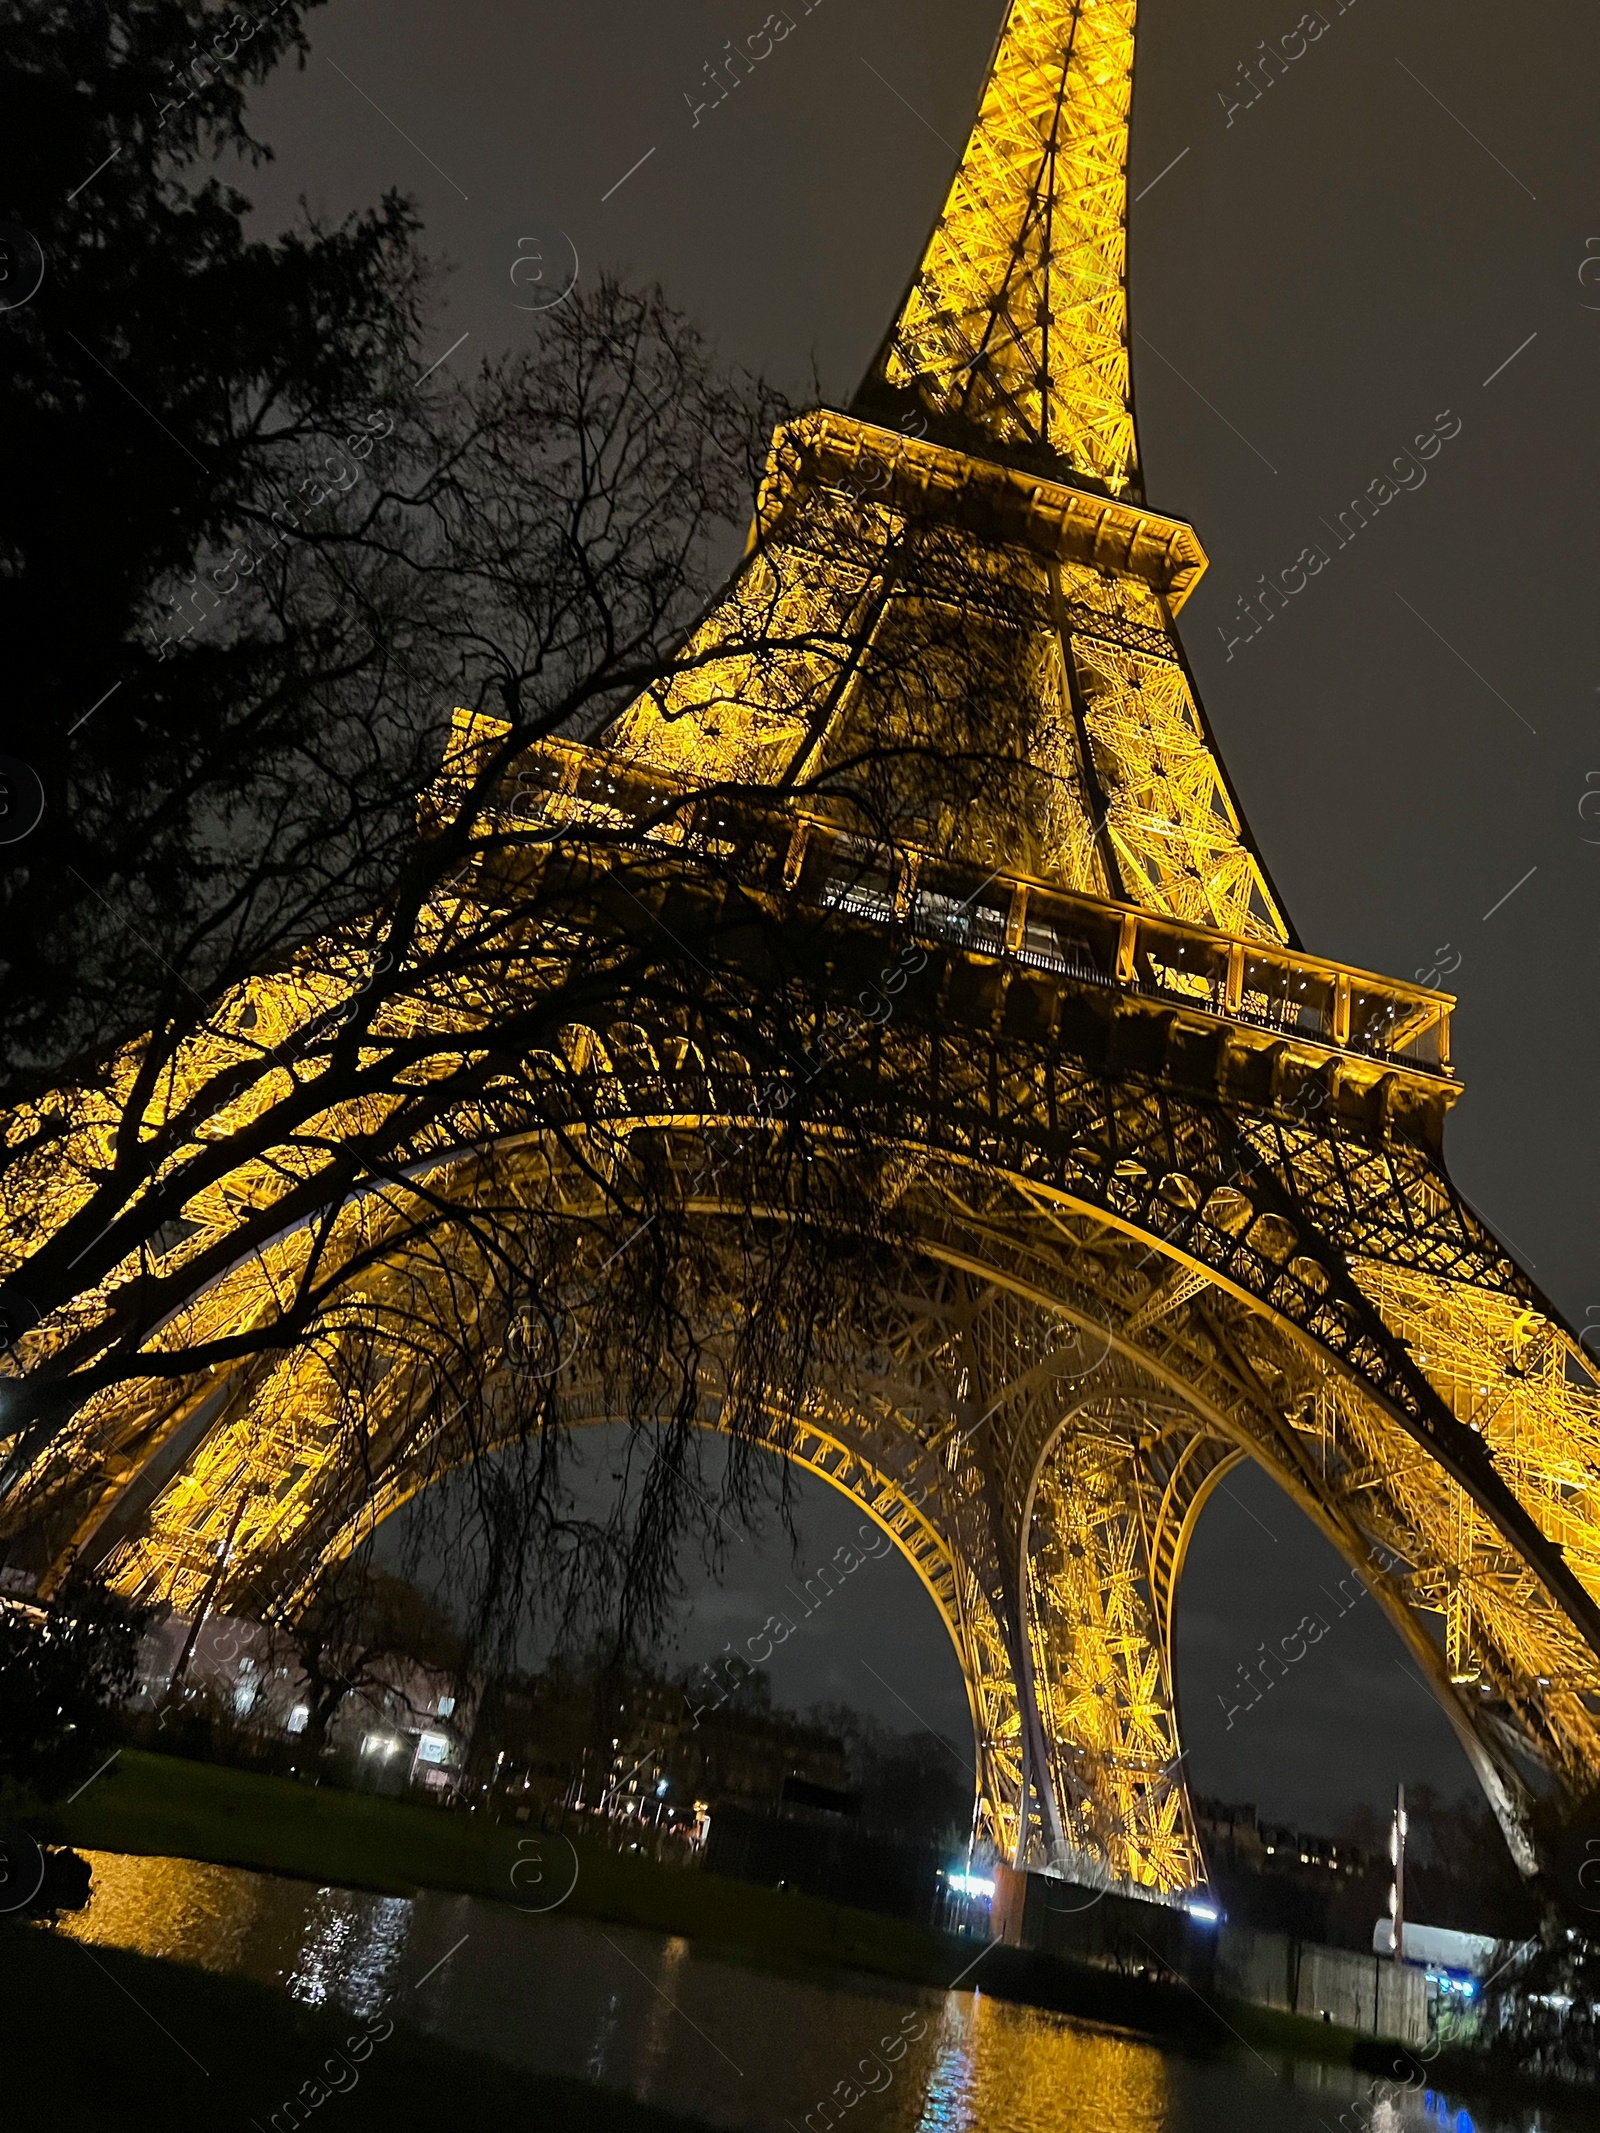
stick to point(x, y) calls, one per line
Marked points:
point(354, 1635)
point(64, 1671)
point(343, 1059)
point(167, 394)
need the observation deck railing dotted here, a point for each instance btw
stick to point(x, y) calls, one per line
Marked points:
point(1006, 917)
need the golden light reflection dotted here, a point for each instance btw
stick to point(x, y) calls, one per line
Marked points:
point(1006, 2069)
point(564, 1998)
point(327, 1944)
point(176, 1910)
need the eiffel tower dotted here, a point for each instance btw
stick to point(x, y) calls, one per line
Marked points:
point(1172, 1194)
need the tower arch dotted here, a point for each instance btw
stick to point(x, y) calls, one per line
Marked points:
point(1059, 1398)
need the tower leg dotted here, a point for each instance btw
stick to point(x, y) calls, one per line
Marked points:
point(1099, 1612)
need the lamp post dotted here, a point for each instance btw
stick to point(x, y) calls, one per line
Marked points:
point(1397, 1852)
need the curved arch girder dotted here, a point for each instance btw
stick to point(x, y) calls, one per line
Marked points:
point(1189, 1338)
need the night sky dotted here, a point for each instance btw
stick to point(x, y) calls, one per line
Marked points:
point(1391, 235)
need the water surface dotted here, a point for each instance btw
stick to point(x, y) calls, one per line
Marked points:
point(648, 2014)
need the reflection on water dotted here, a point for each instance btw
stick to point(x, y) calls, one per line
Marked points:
point(319, 1944)
point(743, 2048)
point(1030, 2072)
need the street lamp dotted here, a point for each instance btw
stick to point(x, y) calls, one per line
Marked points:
point(1397, 1891)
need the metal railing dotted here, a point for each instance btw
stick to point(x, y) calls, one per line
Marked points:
point(1003, 916)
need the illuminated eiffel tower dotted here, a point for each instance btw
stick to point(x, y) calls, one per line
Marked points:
point(1173, 1194)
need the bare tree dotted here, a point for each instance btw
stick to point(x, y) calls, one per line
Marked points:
point(353, 1636)
point(361, 1128)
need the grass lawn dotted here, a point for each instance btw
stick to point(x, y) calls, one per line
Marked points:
point(107, 2042)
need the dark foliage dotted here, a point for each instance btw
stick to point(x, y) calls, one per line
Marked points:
point(67, 1885)
point(1458, 1870)
point(64, 1670)
point(165, 396)
point(912, 1785)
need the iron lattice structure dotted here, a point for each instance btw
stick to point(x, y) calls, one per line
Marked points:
point(1167, 1191)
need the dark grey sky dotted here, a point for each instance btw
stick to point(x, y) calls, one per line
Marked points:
point(1395, 230)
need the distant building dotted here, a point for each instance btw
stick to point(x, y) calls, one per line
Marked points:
point(1280, 1879)
point(650, 1749)
point(406, 1725)
point(1438, 1948)
point(1234, 1838)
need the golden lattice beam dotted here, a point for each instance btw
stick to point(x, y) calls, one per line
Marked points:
point(1018, 318)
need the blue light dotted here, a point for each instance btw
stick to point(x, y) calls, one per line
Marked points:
point(1206, 1913)
point(1453, 1981)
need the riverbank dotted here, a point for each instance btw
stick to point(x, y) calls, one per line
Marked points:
point(103, 2041)
point(169, 1806)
